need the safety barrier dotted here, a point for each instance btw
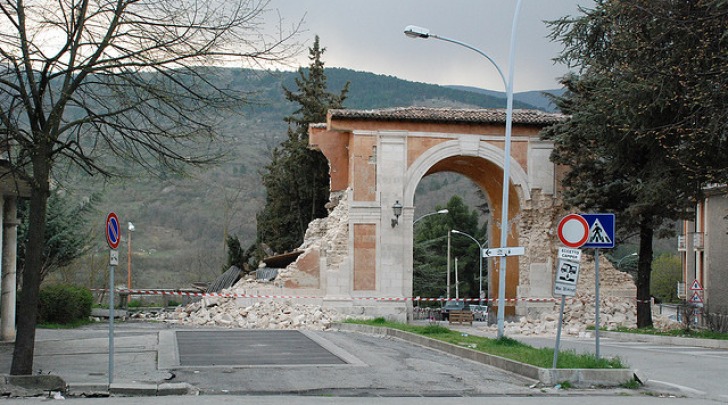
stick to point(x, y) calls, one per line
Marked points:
point(193, 294)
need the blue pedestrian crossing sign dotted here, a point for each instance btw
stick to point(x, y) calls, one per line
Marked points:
point(601, 231)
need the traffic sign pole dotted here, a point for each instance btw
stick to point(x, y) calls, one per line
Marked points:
point(112, 269)
point(113, 237)
point(558, 332)
point(596, 302)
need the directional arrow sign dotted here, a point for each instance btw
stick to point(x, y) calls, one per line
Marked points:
point(502, 252)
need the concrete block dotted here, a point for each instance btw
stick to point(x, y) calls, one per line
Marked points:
point(133, 389)
point(47, 382)
point(176, 389)
point(88, 390)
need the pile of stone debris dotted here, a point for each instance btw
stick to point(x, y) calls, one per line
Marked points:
point(264, 314)
point(579, 318)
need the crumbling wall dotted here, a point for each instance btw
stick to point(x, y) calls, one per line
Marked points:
point(326, 241)
point(537, 225)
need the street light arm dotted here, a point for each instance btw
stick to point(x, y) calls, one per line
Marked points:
point(469, 236)
point(444, 211)
point(481, 53)
point(414, 31)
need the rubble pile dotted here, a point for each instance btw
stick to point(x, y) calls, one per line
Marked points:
point(578, 315)
point(269, 314)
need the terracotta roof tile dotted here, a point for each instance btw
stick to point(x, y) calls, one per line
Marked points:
point(475, 116)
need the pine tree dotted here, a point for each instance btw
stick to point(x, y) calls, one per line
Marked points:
point(297, 179)
point(640, 140)
point(430, 251)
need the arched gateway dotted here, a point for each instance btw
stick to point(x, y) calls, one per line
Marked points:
point(378, 157)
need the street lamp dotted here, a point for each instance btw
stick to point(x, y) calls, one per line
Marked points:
point(419, 32)
point(444, 211)
point(128, 263)
point(619, 262)
point(480, 256)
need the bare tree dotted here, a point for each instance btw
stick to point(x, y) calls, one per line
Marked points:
point(107, 84)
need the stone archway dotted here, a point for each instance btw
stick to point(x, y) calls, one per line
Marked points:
point(485, 170)
point(377, 157)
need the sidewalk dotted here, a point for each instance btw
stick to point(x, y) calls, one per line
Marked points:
point(81, 358)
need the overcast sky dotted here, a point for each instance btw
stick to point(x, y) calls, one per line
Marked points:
point(368, 36)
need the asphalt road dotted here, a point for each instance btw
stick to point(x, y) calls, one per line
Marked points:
point(375, 367)
point(696, 371)
point(590, 399)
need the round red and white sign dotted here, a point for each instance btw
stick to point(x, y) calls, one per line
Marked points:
point(573, 230)
point(113, 235)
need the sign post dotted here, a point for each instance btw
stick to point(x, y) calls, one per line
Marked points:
point(113, 237)
point(601, 235)
point(567, 275)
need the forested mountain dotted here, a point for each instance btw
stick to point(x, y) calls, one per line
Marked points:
point(181, 222)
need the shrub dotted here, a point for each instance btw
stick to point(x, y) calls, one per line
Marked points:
point(63, 304)
point(135, 304)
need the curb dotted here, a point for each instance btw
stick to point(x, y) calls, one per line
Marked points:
point(667, 340)
point(37, 385)
point(548, 377)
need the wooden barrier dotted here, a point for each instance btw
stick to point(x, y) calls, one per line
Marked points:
point(460, 317)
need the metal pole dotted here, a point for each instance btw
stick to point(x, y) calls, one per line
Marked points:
point(128, 269)
point(480, 288)
point(506, 173)
point(112, 269)
point(457, 283)
point(596, 303)
point(448, 265)
point(558, 332)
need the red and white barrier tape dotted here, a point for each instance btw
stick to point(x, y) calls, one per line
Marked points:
point(418, 299)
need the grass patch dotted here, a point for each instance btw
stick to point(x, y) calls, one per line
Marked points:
point(692, 333)
point(503, 347)
point(632, 384)
point(71, 325)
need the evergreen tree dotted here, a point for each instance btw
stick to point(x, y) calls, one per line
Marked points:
point(297, 179)
point(67, 236)
point(642, 137)
point(430, 251)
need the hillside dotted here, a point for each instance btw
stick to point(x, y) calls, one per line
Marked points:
point(181, 222)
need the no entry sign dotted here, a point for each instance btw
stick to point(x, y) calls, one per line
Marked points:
point(573, 231)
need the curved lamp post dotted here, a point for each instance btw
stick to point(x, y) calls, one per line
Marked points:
point(619, 262)
point(444, 211)
point(419, 32)
point(480, 256)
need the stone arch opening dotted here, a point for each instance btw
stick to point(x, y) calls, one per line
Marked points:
point(468, 212)
point(483, 169)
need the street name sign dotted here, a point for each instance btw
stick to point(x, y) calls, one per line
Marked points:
point(502, 252)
